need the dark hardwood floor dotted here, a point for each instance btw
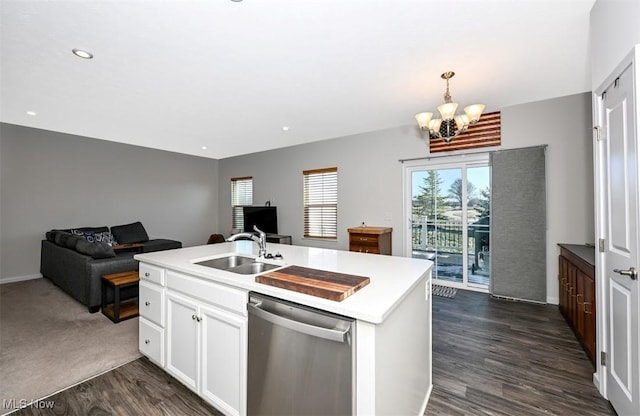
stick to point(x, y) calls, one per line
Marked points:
point(498, 357)
point(137, 388)
point(490, 357)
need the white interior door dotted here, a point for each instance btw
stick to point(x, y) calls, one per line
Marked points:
point(620, 194)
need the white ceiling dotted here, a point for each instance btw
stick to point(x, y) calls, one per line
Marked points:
point(179, 75)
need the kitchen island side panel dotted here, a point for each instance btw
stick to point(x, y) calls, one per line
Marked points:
point(400, 361)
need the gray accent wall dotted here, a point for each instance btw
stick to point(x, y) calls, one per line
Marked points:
point(369, 182)
point(370, 176)
point(56, 180)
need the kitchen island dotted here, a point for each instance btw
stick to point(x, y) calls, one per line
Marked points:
point(194, 322)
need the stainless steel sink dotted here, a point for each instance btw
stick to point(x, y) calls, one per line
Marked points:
point(238, 264)
point(253, 268)
point(226, 263)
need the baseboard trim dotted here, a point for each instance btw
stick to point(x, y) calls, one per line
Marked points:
point(14, 279)
point(552, 300)
point(512, 299)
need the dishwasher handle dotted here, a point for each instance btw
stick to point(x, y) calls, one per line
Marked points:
point(304, 328)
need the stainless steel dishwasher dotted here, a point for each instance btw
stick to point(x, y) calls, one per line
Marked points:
point(301, 360)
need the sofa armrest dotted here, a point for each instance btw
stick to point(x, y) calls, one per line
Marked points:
point(66, 268)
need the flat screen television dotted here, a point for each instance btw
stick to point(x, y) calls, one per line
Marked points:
point(265, 218)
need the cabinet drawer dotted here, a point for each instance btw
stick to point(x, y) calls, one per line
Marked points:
point(363, 239)
point(212, 293)
point(151, 341)
point(152, 273)
point(364, 249)
point(151, 302)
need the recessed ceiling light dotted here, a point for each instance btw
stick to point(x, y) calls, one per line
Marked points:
point(32, 113)
point(236, 1)
point(285, 128)
point(82, 54)
point(204, 147)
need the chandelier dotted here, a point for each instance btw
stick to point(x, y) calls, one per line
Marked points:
point(451, 124)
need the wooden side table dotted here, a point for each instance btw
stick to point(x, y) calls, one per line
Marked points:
point(119, 311)
point(376, 240)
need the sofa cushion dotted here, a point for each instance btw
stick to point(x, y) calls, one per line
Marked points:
point(159, 244)
point(72, 240)
point(130, 233)
point(60, 238)
point(97, 250)
point(89, 229)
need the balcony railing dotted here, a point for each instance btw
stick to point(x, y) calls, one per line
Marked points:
point(447, 237)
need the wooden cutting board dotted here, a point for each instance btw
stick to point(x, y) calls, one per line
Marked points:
point(321, 283)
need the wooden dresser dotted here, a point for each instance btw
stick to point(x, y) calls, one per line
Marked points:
point(577, 293)
point(376, 240)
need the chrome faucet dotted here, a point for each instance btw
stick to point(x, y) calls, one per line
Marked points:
point(261, 240)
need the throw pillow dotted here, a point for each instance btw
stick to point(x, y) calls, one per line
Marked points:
point(60, 238)
point(89, 235)
point(130, 233)
point(97, 250)
point(72, 240)
point(106, 237)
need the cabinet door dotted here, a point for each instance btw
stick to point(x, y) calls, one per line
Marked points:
point(579, 323)
point(562, 284)
point(151, 341)
point(182, 339)
point(151, 302)
point(589, 313)
point(224, 360)
point(571, 295)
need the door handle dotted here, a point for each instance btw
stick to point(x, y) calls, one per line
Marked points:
point(338, 335)
point(632, 273)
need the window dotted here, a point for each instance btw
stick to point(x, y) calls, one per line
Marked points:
point(321, 203)
point(241, 195)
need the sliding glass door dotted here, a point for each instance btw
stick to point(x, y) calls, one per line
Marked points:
point(448, 209)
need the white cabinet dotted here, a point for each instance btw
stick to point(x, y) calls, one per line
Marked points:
point(151, 308)
point(207, 341)
point(182, 340)
point(224, 360)
point(151, 302)
point(151, 341)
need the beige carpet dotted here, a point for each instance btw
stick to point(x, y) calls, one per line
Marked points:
point(49, 341)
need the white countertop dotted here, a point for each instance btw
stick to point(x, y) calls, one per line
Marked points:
point(392, 278)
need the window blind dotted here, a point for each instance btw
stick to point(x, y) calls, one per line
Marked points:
point(321, 203)
point(518, 224)
point(241, 195)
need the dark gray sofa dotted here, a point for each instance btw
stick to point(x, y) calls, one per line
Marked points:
point(76, 263)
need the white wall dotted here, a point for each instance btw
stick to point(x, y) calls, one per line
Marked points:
point(566, 129)
point(615, 29)
point(370, 175)
point(54, 180)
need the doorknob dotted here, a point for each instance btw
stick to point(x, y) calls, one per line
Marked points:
point(632, 273)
